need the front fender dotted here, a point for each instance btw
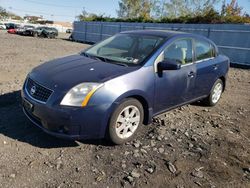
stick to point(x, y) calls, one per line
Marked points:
point(138, 84)
point(139, 95)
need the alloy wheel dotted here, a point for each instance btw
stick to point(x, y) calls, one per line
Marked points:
point(127, 122)
point(217, 92)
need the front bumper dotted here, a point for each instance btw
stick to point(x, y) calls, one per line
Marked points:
point(58, 133)
point(67, 122)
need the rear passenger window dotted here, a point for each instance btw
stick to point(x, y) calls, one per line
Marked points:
point(180, 50)
point(204, 50)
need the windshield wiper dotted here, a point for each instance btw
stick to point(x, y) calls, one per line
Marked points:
point(85, 54)
point(111, 61)
point(122, 64)
point(101, 58)
point(94, 57)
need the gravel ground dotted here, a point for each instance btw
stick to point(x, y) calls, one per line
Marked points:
point(192, 146)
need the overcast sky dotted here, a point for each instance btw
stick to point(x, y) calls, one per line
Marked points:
point(66, 10)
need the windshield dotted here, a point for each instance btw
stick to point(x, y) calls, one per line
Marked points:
point(125, 48)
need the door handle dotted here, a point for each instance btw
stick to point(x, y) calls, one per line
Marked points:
point(191, 74)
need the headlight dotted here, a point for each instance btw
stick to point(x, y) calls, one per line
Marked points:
point(80, 94)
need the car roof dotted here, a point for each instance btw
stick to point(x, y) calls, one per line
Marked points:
point(159, 33)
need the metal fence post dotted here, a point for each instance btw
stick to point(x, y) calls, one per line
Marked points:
point(101, 28)
point(208, 32)
point(85, 34)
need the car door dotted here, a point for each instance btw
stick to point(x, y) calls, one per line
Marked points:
point(175, 87)
point(206, 65)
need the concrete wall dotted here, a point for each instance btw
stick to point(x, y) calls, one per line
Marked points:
point(233, 40)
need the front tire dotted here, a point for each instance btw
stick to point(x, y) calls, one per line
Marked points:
point(125, 121)
point(215, 93)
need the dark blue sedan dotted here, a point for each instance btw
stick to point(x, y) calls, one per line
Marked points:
point(115, 86)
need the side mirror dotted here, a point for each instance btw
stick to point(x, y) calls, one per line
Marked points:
point(169, 65)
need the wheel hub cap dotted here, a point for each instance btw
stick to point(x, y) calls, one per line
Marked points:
point(127, 122)
point(217, 93)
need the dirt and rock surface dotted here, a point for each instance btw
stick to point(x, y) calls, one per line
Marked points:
point(192, 146)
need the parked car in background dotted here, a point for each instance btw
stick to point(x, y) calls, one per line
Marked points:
point(46, 32)
point(115, 86)
point(12, 31)
point(11, 26)
point(69, 31)
point(28, 30)
point(2, 26)
point(20, 30)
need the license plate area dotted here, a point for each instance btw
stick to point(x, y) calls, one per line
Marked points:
point(27, 105)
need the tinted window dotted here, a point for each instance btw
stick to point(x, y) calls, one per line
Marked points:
point(180, 50)
point(203, 50)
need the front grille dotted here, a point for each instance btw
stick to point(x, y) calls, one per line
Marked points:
point(37, 91)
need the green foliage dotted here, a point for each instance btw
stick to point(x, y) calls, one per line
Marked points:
point(173, 11)
point(135, 9)
point(176, 8)
point(232, 13)
point(233, 9)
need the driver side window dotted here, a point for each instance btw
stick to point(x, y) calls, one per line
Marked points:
point(180, 51)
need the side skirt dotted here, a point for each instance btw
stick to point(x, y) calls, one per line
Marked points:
point(176, 106)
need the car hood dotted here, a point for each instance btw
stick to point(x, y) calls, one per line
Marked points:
point(66, 72)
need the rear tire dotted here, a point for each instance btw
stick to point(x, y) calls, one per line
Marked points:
point(215, 94)
point(125, 121)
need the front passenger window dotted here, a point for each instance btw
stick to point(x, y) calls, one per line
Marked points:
point(180, 51)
